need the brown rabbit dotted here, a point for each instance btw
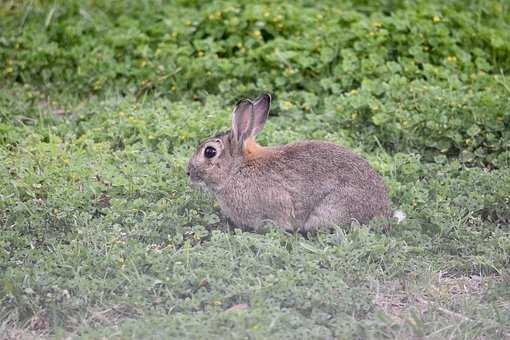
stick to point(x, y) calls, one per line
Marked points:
point(303, 186)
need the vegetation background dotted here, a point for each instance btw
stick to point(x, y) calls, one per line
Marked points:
point(102, 103)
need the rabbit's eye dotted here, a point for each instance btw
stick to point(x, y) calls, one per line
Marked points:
point(209, 152)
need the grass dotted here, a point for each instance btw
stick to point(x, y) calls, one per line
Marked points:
point(102, 237)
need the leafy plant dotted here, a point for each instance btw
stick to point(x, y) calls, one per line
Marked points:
point(103, 102)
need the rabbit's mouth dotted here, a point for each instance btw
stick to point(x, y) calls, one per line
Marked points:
point(192, 174)
point(195, 181)
point(200, 179)
point(198, 187)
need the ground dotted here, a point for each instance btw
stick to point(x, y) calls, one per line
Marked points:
point(102, 103)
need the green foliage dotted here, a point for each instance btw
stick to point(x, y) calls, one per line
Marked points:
point(422, 76)
point(103, 102)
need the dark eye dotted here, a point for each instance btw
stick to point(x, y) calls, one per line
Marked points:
point(209, 152)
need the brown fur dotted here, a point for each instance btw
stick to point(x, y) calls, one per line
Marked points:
point(252, 149)
point(304, 186)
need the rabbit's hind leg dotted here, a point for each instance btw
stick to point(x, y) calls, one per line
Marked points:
point(332, 210)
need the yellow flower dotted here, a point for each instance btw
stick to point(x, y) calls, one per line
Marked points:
point(436, 18)
point(286, 104)
point(289, 71)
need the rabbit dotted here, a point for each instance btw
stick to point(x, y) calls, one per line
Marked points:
point(305, 187)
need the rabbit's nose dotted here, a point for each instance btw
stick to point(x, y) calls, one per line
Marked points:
point(188, 170)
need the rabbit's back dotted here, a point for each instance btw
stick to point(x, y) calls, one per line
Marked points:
point(309, 184)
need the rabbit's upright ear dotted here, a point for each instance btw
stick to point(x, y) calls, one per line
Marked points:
point(261, 107)
point(242, 121)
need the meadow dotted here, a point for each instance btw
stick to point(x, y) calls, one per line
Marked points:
point(103, 102)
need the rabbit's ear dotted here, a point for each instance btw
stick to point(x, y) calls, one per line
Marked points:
point(261, 107)
point(242, 121)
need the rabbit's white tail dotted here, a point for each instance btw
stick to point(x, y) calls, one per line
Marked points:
point(399, 215)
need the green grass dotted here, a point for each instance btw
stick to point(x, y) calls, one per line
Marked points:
point(102, 103)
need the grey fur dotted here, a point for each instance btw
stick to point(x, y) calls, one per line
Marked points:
point(303, 186)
